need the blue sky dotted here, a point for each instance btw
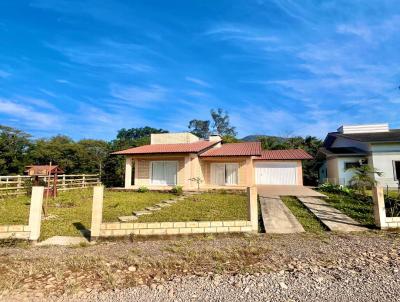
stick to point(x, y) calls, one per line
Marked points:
point(88, 68)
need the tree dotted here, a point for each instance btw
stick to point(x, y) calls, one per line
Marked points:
point(221, 123)
point(310, 144)
point(14, 150)
point(200, 128)
point(363, 177)
point(134, 137)
point(92, 154)
point(114, 167)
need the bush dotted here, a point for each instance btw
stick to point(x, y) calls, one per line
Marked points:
point(143, 189)
point(178, 190)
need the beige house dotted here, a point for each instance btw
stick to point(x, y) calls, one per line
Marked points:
point(178, 159)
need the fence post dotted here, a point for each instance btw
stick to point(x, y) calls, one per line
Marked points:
point(35, 213)
point(252, 207)
point(379, 207)
point(83, 180)
point(97, 212)
point(63, 181)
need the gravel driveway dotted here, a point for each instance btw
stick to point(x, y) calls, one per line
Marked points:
point(295, 267)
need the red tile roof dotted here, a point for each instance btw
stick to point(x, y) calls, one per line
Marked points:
point(168, 148)
point(235, 149)
point(284, 154)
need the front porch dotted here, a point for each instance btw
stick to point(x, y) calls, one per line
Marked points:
point(162, 173)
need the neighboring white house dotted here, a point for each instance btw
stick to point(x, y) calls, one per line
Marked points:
point(375, 145)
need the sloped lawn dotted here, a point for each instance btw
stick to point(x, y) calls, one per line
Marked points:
point(362, 210)
point(71, 210)
point(203, 207)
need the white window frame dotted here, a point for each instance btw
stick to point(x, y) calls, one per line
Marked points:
point(162, 161)
point(212, 170)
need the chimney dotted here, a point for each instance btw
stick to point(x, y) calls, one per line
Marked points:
point(215, 138)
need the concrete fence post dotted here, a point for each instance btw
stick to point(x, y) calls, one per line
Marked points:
point(35, 213)
point(97, 212)
point(253, 207)
point(379, 207)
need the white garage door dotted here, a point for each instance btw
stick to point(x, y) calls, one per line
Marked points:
point(282, 173)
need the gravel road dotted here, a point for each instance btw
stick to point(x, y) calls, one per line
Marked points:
point(306, 267)
point(330, 285)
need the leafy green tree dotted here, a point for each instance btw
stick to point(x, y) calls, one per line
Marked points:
point(60, 150)
point(92, 154)
point(221, 123)
point(114, 166)
point(134, 137)
point(14, 150)
point(271, 142)
point(200, 128)
point(363, 178)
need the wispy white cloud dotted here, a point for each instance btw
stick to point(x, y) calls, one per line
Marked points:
point(107, 54)
point(62, 81)
point(138, 96)
point(27, 115)
point(197, 81)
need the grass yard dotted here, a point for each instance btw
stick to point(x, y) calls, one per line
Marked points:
point(360, 210)
point(71, 210)
point(307, 219)
point(203, 207)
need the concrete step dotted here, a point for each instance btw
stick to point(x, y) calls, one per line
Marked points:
point(141, 213)
point(163, 205)
point(170, 201)
point(127, 218)
point(153, 208)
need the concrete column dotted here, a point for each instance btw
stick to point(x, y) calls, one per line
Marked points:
point(379, 207)
point(252, 207)
point(299, 173)
point(97, 212)
point(250, 172)
point(35, 213)
point(128, 172)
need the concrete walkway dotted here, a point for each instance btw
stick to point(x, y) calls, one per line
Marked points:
point(286, 190)
point(331, 217)
point(277, 218)
point(63, 240)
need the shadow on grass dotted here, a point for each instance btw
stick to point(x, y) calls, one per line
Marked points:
point(82, 229)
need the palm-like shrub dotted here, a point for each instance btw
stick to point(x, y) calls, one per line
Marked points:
point(363, 178)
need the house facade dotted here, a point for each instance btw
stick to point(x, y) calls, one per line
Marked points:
point(350, 146)
point(180, 159)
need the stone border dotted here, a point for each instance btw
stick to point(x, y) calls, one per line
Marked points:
point(32, 230)
point(174, 228)
point(114, 229)
point(381, 220)
point(14, 231)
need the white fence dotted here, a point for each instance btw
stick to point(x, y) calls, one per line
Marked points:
point(16, 185)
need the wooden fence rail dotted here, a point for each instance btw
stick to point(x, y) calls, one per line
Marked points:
point(17, 184)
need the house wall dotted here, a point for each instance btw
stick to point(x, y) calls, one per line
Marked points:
point(143, 173)
point(245, 168)
point(382, 158)
point(337, 173)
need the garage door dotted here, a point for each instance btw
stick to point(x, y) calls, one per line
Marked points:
point(276, 173)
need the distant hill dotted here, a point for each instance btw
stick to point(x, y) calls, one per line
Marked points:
point(254, 137)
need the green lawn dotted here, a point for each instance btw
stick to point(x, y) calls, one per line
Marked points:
point(307, 219)
point(203, 207)
point(358, 209)
point(71, 210)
